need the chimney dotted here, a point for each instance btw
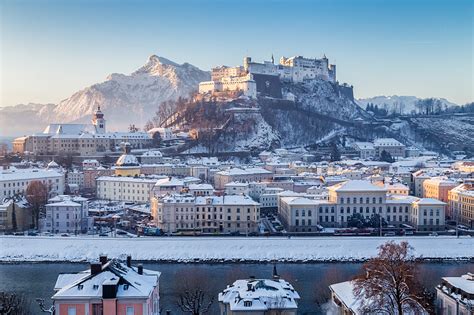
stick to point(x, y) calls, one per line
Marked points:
point(96, 268)
point(249, 286)
point(140, 269)
point(252, 277)
point(103, 259)
point(129, 261)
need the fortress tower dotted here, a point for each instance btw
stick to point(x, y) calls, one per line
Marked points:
point(98, 121)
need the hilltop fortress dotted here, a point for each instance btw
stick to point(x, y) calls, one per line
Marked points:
point(266, 77)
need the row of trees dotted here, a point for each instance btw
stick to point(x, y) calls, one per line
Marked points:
point(358, 220)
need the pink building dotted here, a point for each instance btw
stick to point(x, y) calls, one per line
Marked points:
point(108, 287)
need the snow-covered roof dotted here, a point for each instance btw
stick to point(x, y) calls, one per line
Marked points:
point(169, 181)
point(356, 185)
point(429, 201)
point(227, 200)
point(464, 282)
point(247, 171)
point(200, 187)
point(129, 283)
point(387, 142)
point(27, 174)
point(260, 295)
point(364, 145)
point(70, 129)
point(127, 160)
point(299, 201)
point(65, 203)
point(154, 153)
point(344, 293)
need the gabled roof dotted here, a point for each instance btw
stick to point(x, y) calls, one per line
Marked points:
point(356, 185)
point(84, 285)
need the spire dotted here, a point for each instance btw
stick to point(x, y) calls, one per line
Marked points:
point(273, 59)
point(275, 273)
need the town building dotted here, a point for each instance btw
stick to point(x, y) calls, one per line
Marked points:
point(241, 175)
point(208, 214)
point(79, 139)
point(455, 295)
point(438, 188)
point(259, 296)
point(300, 213)
point(108, 287)
point(15, 215)
point(66, 214)
point(151, 157)
point(128, 189)
point(389, 145)
point(366, 150)
point(15, 181)
point(461, 203)
point(428, 214)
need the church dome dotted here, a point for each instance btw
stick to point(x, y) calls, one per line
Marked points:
point(52, 165)
point(98, 113)
point(127, 159)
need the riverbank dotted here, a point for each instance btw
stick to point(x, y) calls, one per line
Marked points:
point(235, 249)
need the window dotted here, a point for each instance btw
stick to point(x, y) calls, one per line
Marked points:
point(71, 310)
point(130, 310)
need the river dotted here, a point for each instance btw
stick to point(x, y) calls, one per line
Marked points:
point(311, 280)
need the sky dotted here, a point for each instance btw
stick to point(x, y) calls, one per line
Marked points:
point(50, 49)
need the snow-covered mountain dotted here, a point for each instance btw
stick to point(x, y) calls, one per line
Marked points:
point(396, 102)
point(124, 99)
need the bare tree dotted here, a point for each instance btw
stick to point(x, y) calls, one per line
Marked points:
point(389, 284)
point(37, 196)
point(12, 303)
point(193, 299)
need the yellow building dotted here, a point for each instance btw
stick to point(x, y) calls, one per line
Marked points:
point(127, 164)
point(461, 203)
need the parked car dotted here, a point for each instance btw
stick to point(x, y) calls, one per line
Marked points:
point(103, 234)
point(433, 234)
point(390, 234)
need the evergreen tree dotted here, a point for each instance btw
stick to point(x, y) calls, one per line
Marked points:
point(14, 223)
point(335, 154)
point(386, 157)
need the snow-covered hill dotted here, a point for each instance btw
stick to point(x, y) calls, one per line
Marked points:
point(125, 99)
point(405, 104)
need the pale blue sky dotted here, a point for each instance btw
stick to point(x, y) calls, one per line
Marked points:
point(50, 49)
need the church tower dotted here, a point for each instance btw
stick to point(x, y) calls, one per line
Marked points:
point(98, 121)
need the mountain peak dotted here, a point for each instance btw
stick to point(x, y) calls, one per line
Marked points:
point(154, 59)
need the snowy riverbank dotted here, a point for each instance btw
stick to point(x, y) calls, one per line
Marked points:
point(207, 249)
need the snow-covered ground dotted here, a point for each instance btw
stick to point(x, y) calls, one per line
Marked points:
point(189, 249)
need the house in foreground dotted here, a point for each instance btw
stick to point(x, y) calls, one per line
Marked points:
point(108, 287)
point(259, 297)
point(455, 295)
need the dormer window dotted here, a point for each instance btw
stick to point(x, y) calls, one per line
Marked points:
point(247, 303)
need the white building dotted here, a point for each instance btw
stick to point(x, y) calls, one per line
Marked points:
point(236, 188)
point(455, 295)
point(208, 214)
point(66, 214)
point(15, 181)
point(389, 145)
point(259, 297)
point(120, 188)
point(366, 149)
point(255, 174)
point(151, 157)
point(201, 189)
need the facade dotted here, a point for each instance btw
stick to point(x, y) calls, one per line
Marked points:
point(15, 216)
point(455, 295)
point(245, 84)
point(201, 190)
point(259, 297)
point(241, 175)
point(389, 145)
point(428, 214)
point(119, 188)
point(67, 214)
point(79, 139)
point(300, 213)
point(15, 181)
point(108, 288)
point(151, 157)
point(438, 188)
point(208, 214)
point(236, 188)
point(461, 203)
point(366, 149)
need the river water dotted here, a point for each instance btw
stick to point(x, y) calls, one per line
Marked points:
point(311, 280)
